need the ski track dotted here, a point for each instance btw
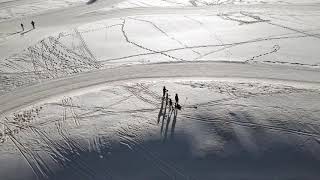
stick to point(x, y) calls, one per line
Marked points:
point(44, 66)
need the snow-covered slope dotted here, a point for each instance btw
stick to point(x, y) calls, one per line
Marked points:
point(227, 129)
point(81, 94)
point(255, 35)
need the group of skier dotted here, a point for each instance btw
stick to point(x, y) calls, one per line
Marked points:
point(32, 23)
point(166, 96)
point(172, 110)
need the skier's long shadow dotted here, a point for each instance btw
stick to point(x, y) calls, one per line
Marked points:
point(175, 114)
point(168, 122)
point(164, 116)
point(161, 108)
point(10, 34)
point(26, 31)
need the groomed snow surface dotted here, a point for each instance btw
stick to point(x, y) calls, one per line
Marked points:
point(81, 95)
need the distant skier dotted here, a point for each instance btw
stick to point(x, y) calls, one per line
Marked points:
point(177, 105)
point(22, 27)
point(176, 98)
point(164, 91)
point(32, 23)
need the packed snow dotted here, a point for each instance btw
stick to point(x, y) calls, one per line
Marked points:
point(82, 93)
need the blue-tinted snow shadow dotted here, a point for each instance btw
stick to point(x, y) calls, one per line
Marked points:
point(176, 158)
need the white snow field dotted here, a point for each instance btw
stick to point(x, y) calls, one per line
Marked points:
point(81, 95)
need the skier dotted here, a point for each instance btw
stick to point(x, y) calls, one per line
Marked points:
point(177, 105)
point(164, 91)
point(22, 27)
point(177, 98)
point(32, 23)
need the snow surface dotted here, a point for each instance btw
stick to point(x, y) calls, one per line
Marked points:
point(260, 36)
point(227, 129)
point(81, 95)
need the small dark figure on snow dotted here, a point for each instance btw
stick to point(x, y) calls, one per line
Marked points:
point(22, 27)
point(177, 99)
point(170, 102)
point(164, 91)
point(177, 105)
point(32, 23)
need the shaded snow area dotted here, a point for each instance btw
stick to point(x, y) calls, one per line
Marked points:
point(226, 129)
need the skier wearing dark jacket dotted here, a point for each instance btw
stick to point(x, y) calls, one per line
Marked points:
point(177, 99)
point(164, 91)
point(32, 23)
point(22, 27)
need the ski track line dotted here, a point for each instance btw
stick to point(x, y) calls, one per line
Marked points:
point(140, 96)
point(50, 21)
